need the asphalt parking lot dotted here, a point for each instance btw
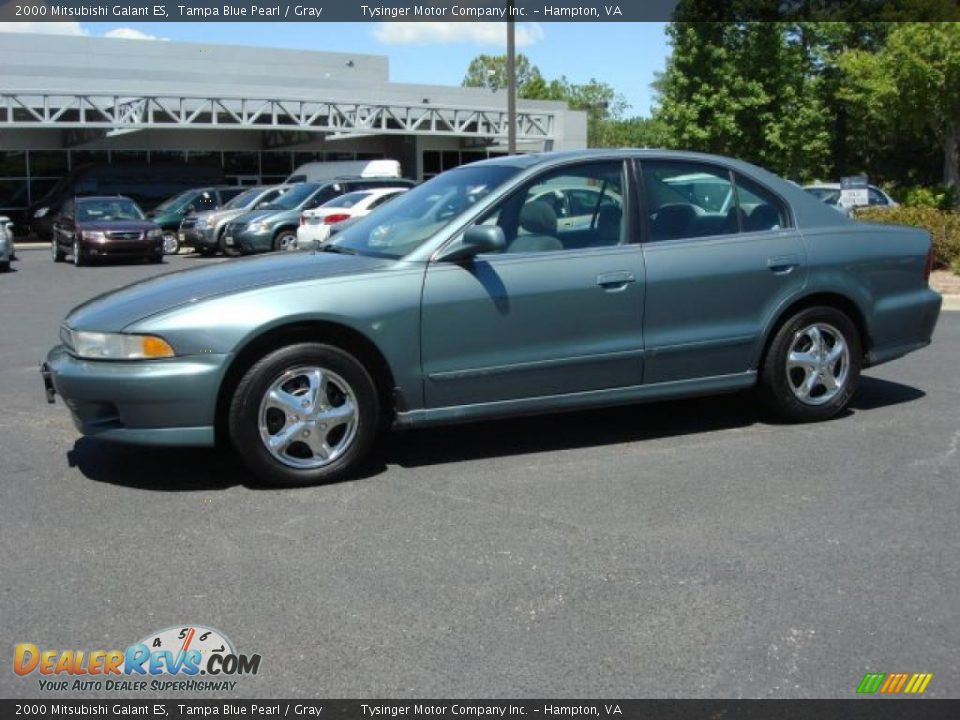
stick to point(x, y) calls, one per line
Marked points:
point(692, 549)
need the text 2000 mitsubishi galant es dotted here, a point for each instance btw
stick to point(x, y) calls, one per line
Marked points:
point(526, 284)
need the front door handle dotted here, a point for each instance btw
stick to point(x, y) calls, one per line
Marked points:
point(783, 264)
point(615, 280)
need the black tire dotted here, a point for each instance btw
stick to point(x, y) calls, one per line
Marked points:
point(77, 252)
point(777, 387)
point(206, 251)
point(56, 251)
point(5, 266)
point(282, 237)
point(244, 414)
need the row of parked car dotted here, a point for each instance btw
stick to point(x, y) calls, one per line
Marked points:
point(228, 219)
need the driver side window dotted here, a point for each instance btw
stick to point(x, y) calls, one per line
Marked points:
point(566, 209)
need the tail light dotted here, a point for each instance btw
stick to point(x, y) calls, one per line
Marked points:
point(334, 219)
point(303, 219)
point(928, 267)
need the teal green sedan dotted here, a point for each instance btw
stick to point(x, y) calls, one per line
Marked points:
point(520, 285)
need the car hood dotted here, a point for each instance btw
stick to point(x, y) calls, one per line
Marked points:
point(115, 310)
point(116, 225)
point(216, 216)
point(165, 217)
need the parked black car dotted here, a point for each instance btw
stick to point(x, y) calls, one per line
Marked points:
point(91, 227)
point(146, 184)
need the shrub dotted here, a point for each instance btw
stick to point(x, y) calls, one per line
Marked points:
point(937, 196)
point(943, 226)
point(955, 266)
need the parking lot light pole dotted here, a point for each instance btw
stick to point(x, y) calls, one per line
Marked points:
point(511, 82)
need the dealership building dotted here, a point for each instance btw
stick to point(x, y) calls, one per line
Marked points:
point(258, 113)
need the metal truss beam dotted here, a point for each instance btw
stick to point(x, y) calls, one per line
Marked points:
point(90, 111)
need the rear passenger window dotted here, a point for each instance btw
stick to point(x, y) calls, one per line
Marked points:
point(760, 209)
point(688, 200)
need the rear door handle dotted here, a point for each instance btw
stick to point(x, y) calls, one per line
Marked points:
point(615, 280)
point(783, 264)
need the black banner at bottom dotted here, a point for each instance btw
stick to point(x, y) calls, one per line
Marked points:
point(872, 709)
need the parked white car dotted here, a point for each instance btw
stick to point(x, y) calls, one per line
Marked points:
point(829, 193)
point(7, 250)
point(315, 224)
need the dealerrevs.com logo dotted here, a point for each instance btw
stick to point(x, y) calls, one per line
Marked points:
point(183, 653)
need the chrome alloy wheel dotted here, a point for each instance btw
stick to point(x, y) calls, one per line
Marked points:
point(308, 417)
point(818, 364)
point(171, 243)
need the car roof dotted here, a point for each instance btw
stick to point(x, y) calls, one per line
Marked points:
point(91, 198)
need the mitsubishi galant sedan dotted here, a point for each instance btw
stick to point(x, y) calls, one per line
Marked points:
point(469, 297)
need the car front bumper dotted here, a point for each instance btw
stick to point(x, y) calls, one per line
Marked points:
point(248, 240)
point(199, 237)
point(159, 402)
point(122, 248)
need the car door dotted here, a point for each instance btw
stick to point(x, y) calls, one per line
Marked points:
point(714, 277)
point(552, 314)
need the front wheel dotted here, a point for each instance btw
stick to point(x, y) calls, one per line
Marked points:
point(305, 414)
point(171, 243)
point(812, 367)
point(285, 240)
point(56, 252)
point(78, 258)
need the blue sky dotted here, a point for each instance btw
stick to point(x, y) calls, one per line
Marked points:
point(625, 55)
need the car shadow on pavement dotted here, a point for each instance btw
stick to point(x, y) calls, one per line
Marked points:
point(610, 426)
point(160, 469)
point(191, 469)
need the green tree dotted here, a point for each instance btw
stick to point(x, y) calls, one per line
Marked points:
point(913, 83)
point(490, 71)
point(746, 90)
point(600, 101)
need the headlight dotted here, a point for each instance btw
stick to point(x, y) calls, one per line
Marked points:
point(201, 222)
point(94, 236)
point(154, 234)
point(115, 346)
point(259, 227)
point(41, 212)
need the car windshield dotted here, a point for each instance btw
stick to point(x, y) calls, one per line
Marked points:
point(294, 197)
point(827, 195)
point(243, 199)
point(345, 201)
point(398, 228)
point(105, 210)
point(176, 203)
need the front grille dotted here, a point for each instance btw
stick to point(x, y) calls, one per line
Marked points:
point(124, 235)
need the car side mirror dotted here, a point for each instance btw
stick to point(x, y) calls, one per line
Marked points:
point(476, 240)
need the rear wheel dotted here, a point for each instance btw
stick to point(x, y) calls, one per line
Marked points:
point(304, 414)
point(812, 368)
point(171, 243)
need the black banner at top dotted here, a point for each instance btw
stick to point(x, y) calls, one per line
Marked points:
point(477, 10)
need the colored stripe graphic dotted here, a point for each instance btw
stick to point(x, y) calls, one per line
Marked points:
point(918, 683)
point(871, 683)
point(894, 683)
